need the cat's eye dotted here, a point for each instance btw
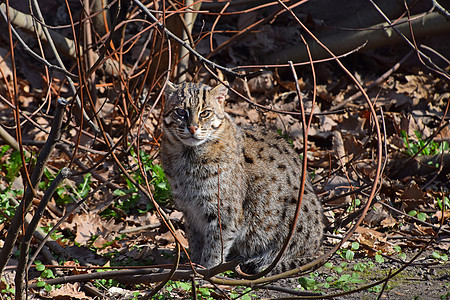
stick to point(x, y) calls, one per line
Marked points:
point(181, 112)
point(205, 114)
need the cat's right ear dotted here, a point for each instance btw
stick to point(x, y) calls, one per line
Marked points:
point(170, 89)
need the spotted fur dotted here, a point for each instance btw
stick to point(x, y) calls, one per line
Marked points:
point(245, 179)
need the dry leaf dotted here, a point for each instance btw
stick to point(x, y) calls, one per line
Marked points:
point(262, 83)
point(168, 238)
point(68, 291)
point(374, 240)
point(412, 197)
point(413, 192)
point(141, 220)
point(417, 230)
point(438, 215)
point(378, 215)
point(92, 224)
point(5, 64)
point(176, 216)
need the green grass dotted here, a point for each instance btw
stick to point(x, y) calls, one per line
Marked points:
point(413, 146)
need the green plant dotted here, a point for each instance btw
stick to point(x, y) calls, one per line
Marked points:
point(45, 274)
point(419, 215)
point(6, 207)
point(128, 198)
point(363, 266)
point(56, 235)
point(10, 167)
point(13, 163)
point(379, 258)
point(346, 280)
point(244, 295)
point(310, 283)
point(355, 203)
point(377, 288)
point(66, 192)
point(158, 178)
point(399, 252)
point(340, 280)
point(413, 146)
point(174, 289)
point(444, 203)
point(105, 283)
point(349, 254)
point(7, 292)
point(439, 256)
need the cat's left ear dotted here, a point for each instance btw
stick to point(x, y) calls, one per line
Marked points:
point(220, 93)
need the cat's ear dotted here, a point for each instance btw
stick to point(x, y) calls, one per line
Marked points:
point(170, 89)
point(220, 93)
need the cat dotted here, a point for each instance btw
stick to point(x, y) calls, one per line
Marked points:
point(246, 180)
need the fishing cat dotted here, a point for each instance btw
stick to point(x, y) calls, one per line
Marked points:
point(237, 187)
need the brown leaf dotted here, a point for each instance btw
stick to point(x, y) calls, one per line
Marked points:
point(374, 240)
point(378, 215)
point(417, 230)
point(262, 83)
point(253, 115)
point(142, 220)
point(5, 64)
point(438, 215)
point(412, 197)
point(168, 238)
point(443, 244)
point(413, 192)
point(92, 224)
point(416, 87)
point(176, 216)
point(68, 291)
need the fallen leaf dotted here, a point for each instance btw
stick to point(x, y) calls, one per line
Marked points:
point(262, 83)
point(438, 214)
point(413, 192)
point(68, 291)
point(5, 64)
point(141, 220)
point(176, 216)
point(378, 215)
point(412, 197)
point(91, 224)
point(167, 238)
point(417, 230)
point(374, 241)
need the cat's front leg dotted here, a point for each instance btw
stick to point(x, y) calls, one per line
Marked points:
point(216, 246)
point(196, 241)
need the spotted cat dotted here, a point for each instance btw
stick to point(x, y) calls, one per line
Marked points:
point(237, 187)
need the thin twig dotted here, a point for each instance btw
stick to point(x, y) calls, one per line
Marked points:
point(172, 36)
point(36, 176)
point(21, 270)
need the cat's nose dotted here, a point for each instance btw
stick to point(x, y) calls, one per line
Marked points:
point(192, 129)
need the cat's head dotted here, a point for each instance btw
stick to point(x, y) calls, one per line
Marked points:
point(194, 112)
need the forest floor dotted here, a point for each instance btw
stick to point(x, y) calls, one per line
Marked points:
point(117, 226)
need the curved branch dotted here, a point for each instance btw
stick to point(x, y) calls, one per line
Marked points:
point(433, 23)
